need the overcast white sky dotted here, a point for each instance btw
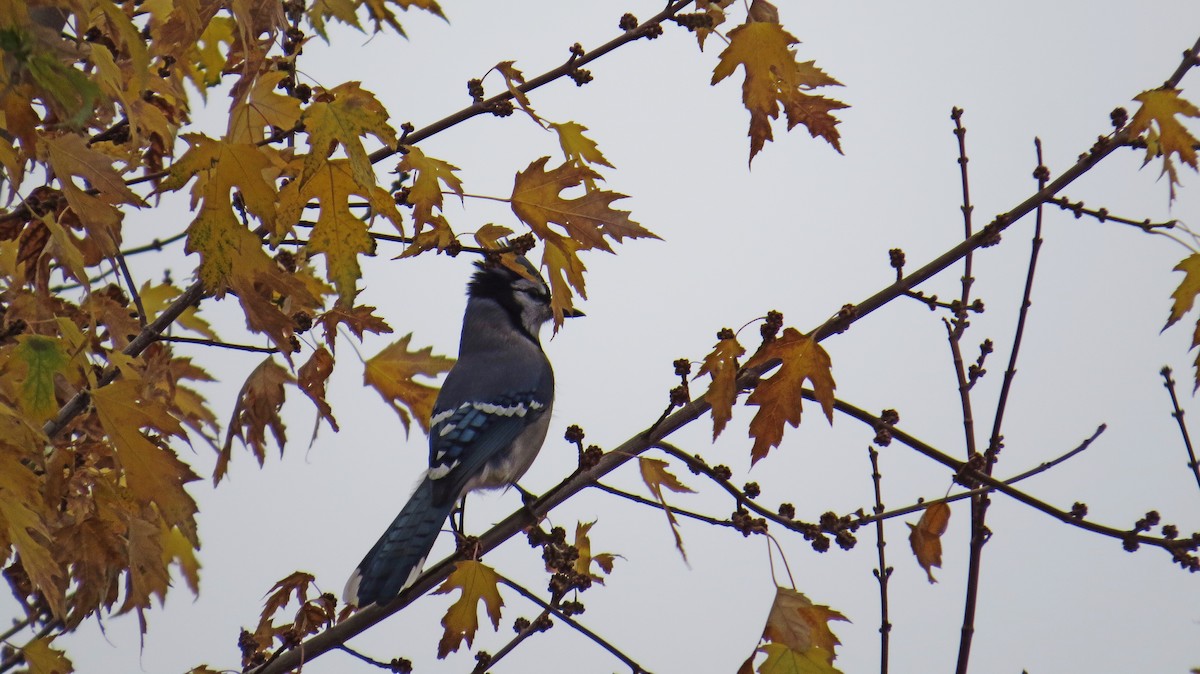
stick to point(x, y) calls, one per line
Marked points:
point(804, 232)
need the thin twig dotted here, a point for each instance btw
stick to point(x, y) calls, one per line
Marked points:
point(995, 443)
point(883, 572)
point(571, 65)
point(526, 632)
point(1169, 384)
point(388, 666)
point(965, 472)
point(959, 324)
point(133, 291)
point(1104, 216)
point(218, 344)
point(19, 656)
point(979, 504)
point(925, 503)
point(697, 465)
point(155, 245)
point(600, 641)
point(659, 506)
point(17, 626)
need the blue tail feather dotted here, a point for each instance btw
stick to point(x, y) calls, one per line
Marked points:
point(396, 559)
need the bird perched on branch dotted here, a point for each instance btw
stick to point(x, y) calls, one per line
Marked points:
point(487, 426)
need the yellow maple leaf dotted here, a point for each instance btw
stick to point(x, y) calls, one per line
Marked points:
point(23, 525)
point(779, 397)
point(342, 116)
point(1184, 298)
point(477, 582)
point(178, 550)
point(763, 49)
point(156, 298)
point(722, 366)
point(657, 477)
point(491, 235)
point(426, 195)
point(583, 563)
point(70, 156)
point(153, 473)
point(926, 537)
point(232, 256)
point(564, 271)
point(589, 219)
point(512, 79)
point(1165, 133)
point(391, 373)
point(226, 246)
point(42, 659)
point(578, 148)
point(339, 234)
point(798, 636)
point(715, 11)
point(784, 660)
point(262, 109)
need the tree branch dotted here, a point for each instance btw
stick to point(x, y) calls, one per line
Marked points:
point(572, 64)
point(149, 334)
point(964, 472)
point(1169, 384)
point(883, 572)
point(600, 641)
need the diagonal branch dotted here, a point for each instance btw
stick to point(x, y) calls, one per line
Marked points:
point(557, 612)
point(149, 334)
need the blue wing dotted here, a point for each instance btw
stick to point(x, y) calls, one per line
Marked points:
point(466, 442)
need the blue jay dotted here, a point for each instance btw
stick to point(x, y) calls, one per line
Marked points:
point(487, 426)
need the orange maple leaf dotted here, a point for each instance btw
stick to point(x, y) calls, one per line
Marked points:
point(589, 219)
point(311, 379)
point(477, 582)
point(763, 49)
point(926, 537)
point(722, 366)
point(797, 636)
point(359, 320)
point(779, 397)
point(256, 410)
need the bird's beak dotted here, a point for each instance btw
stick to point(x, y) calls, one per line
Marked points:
point(572, 313)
